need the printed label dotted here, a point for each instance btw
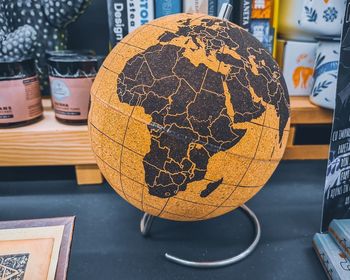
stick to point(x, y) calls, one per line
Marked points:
point(20, 100)
point(139, 13)
point(195, 6)
point(71, 97)
point(117, 20)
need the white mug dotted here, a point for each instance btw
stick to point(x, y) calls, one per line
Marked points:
point(289, 18)
point(326, 73)
point(323, 17)
point(298, 66)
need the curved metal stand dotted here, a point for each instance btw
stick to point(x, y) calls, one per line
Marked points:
point(146, 223)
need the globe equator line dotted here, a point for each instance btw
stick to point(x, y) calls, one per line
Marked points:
point(246, 171)
point(230, 153)
point(205, 179)
point(236, 155)
point(142, 156)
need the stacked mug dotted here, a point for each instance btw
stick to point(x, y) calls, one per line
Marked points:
point(312, 30)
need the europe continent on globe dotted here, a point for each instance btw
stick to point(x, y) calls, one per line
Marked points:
point(189, 117)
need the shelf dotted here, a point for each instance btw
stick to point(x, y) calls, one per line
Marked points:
point(304, 112)
point(46, 142)
point(49, 142)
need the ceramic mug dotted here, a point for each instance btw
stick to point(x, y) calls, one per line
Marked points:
point(289, 18)
point(298, 66)
point(323, 17)
point(326, 73)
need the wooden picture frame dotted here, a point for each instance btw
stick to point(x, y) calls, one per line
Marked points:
point(49, 241)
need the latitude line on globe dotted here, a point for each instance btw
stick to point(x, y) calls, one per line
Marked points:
point(206, 179)
point(139, 120)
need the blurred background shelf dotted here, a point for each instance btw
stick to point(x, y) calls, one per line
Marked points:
point(310, 130)
point(49, 142)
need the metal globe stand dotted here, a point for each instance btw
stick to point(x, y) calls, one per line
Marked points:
point(147, 219)
point(146, 224)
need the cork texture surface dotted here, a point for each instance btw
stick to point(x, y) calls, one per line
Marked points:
point(189, 117)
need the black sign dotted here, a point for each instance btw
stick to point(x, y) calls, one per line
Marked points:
point(336, 203)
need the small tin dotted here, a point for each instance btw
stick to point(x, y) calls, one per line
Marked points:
point(20, 97)
point(50, 53)
point(71, 78)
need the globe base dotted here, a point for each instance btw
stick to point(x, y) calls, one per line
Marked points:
point(146, 224)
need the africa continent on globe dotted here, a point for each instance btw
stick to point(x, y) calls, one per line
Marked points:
point(189, 117)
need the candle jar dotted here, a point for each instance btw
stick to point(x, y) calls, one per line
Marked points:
point(71, 78)
point(20, 97)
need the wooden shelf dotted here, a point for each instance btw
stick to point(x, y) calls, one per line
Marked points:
point(49, 142)
point(304, 112)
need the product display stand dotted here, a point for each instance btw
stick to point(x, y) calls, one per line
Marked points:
point(147, 219)
point(146, 224)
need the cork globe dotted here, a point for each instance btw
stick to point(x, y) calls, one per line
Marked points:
point(189, 117)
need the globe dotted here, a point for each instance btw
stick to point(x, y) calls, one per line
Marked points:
point(189, 117)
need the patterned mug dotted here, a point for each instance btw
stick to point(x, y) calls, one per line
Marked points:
point(289, 18)
point(326, 74)
point(323, 17)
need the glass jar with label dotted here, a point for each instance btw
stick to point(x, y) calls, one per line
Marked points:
point(20, 97)
point(71, 78)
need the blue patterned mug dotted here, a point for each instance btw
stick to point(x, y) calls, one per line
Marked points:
point(325, 74)
point(323, 17)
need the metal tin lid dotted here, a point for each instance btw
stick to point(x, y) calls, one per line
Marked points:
point(11, 69)
point(50, 53)
point(72, 66)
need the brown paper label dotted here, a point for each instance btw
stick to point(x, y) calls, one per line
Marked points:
point(71, 97)
point(20, 100)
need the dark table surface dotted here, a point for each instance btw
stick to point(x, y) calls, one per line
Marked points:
point(107, 243)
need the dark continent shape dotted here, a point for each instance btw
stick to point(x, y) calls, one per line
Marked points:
point(189, 123)
point(268, 85)
point(211, 187)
